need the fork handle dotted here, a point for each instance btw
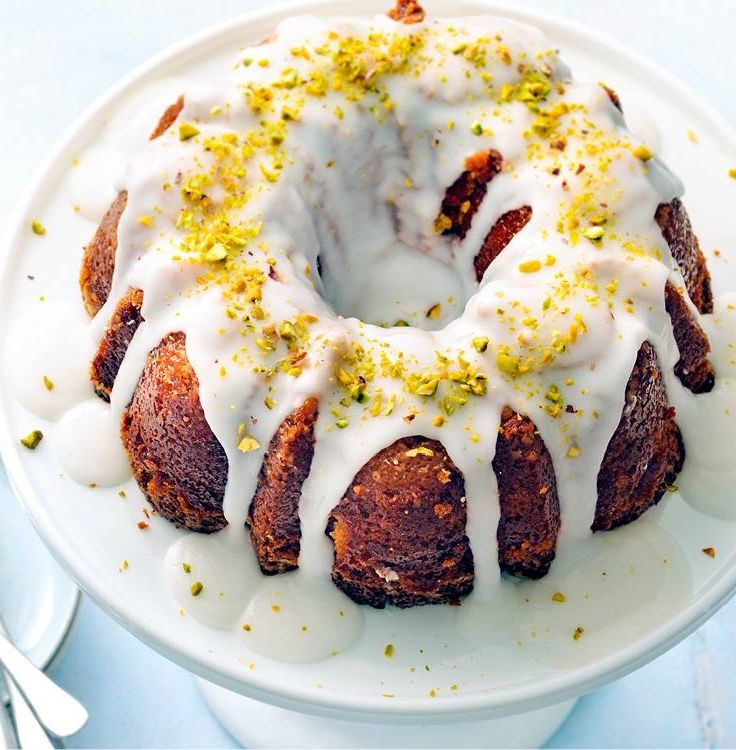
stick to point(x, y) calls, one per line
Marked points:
point(27, 727)
point(60, 713)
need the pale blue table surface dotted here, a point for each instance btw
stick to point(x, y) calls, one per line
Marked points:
point(56, 58)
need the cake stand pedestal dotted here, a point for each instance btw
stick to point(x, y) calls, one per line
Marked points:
point(255, 724)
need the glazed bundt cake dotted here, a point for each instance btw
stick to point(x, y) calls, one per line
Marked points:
point(533, 283)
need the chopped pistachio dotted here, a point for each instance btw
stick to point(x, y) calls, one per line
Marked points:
point(480, 344)
point(38, 227)
point(265, 345)
point(187, 131)
point(427, 388)
point(476, 128)
point(710, 551)
point(573, 451)
point(594, 233)
point(553, 394)
point(559, 597)
point(732, 173)
point(388, 652)
point(187, 567)
point(48, 383)
point(442, 223)
point(248, 443)
point(438, 421)
point(32, 439)
point(289, 113)
point(508, 364)
point(578, 633)
point(289, 78)
point(642, 152)
point(196, 588)
point(530, 266)
point(216, 253)
point(434, 312)
point(287, 331)
point(341, 423)
point(507, 92)
point(421, 450)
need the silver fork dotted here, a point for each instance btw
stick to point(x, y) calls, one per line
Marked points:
point(40, 707)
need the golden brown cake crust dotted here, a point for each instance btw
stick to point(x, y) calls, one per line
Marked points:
point(176, 459)
point(693, 368)
point(167, 118)
point(502, 232)
point(463, 197)
point(273, 516)
point(115, 340)
point(407, 11)
point(527, 490)
point(685, 248)
point(399, 529)
point(645, 453)
point(98, 262)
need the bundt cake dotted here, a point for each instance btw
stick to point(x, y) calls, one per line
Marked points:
point(534, 287)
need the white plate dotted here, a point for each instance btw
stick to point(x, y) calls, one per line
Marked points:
point(38, 601)
point(92, 530)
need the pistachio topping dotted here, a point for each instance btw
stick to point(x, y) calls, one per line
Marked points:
point(530, 266)
point(32, 439)
point(196, 588)
point(37, 227)
point(642, 152)
point(187, 131)
point(248, 443)
point(480, 344)
point(594, 233)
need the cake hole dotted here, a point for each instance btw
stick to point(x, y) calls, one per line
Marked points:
point(396, 287)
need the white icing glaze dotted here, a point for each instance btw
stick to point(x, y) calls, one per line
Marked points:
point(615, 588)
point(293, 618)
point(363, 195)
point(224, 564)
point(50, 342)
point(639, 121)
point(88, 445)
point(92, 180)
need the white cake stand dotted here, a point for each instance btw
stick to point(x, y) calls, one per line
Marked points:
point(340, 702)
point(256, 724)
